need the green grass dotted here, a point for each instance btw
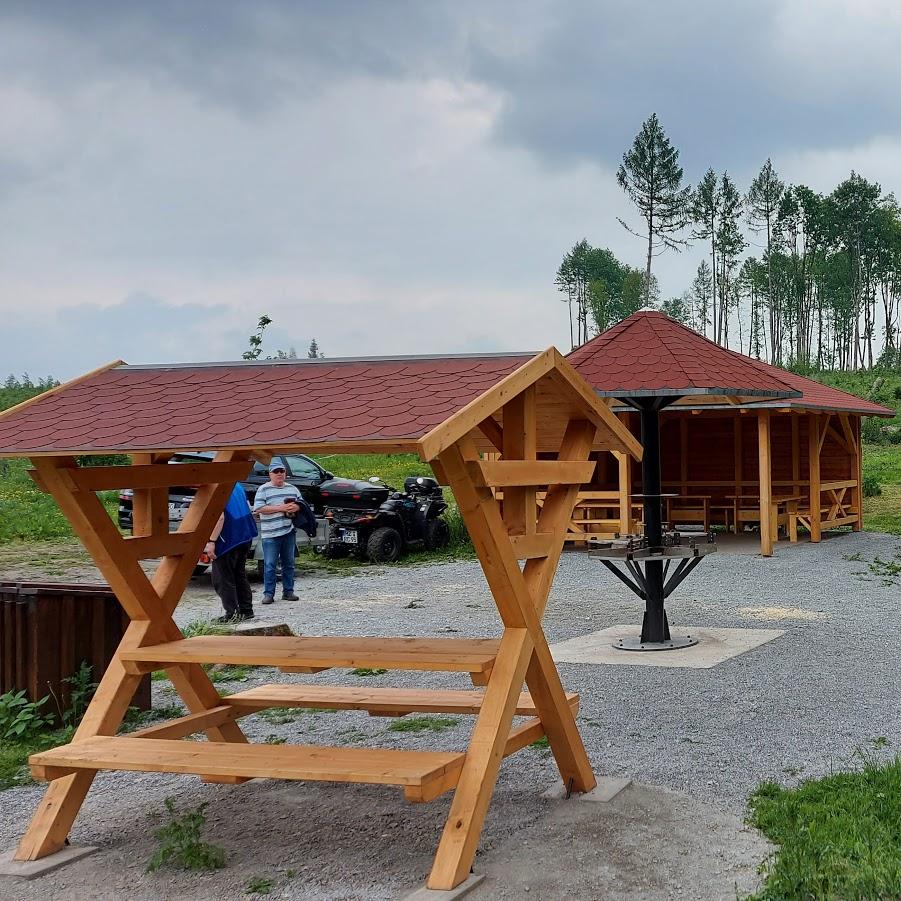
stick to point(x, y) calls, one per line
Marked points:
point(14, 756)
point(839, 837)
point(883, 463)
point(229, 672)
point(424, 724)
point(363, 671)
point(27, 514)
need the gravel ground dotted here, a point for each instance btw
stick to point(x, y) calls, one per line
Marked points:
point(796, 707)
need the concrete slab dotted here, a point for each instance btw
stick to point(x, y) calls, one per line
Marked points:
point(714, 647)
point(464, 888)
point(31, 869)
point(604, 792)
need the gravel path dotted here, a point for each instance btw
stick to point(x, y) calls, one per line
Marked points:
point(798, 706)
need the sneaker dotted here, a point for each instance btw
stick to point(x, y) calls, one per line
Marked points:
point(290, 596)
point(223, 620)
point(244, 617)
point(268, 599)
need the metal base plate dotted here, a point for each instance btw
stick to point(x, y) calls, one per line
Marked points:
point(671, 644)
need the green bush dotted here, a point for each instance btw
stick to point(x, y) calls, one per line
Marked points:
point(181, 844)
point(21, 719)
point(871, 486)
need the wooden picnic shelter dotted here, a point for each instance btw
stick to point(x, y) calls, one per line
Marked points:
point(536, 411)
point(742, 443)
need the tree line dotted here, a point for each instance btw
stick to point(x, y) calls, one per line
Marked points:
point(824, 292)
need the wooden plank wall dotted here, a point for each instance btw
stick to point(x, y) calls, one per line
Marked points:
point(700, 455)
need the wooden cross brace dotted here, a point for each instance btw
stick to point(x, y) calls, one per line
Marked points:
point(521, 597)
point(149, 602)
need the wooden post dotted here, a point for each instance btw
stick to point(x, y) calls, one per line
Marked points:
point(813, 452)
point(766, 483)
point(626, 524)
point(858, 492)
point(520, 444)
point(683, 454)
point(796, 455)
point(625, 493)
point(737, 441)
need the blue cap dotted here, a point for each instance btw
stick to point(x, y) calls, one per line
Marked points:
point(276, 464)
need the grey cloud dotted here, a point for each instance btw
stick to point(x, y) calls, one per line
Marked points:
point(245, 56)
point(141, 328)
point(728, 83)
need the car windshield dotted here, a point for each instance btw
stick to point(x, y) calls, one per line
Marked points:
point(302, 467)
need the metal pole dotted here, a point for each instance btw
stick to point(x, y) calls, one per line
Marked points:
point(654, 625)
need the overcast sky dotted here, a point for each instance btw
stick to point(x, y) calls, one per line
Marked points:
point(389, 177)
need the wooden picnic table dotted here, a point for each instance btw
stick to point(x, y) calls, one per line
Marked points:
point(746, 508)
point(674, 502)
point(518, 546)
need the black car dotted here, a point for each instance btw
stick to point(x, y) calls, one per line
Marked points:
point(303, 472)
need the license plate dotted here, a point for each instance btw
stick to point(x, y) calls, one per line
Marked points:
point(176, 512)
point(349, 537)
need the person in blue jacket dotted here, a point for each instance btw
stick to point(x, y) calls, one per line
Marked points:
point(227, 548)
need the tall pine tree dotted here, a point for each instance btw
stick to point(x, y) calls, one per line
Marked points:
point(651, 176)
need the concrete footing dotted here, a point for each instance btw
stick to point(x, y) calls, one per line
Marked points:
point(606, 790)
point(428, 894)
point(31, 869)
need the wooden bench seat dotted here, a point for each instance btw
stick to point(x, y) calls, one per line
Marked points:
point(422, 774)
point(377, 701)
point(472, 655)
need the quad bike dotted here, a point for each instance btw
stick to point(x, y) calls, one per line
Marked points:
point(374, 521)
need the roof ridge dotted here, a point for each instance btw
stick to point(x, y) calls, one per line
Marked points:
point(325, 361)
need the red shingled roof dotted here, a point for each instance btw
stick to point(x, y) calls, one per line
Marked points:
point(252, 404)
point(649, 353)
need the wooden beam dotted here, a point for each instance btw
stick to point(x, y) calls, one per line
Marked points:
point(440, 654)
point(814, 443)
point(796, 456)
point(190, 724)
point(528, 547)
point(149, 547)
point(766, 487)
point(859, 493)
point(475, 787)
point(624, 462)
point(505, 473)
point(491, 429)
point(519, 447)
point(169, 475)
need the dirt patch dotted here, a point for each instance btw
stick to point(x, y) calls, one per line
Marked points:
point(646, 843)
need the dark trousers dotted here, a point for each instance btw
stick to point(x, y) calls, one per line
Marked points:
point(230, 581)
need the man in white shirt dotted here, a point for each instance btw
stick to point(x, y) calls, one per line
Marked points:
point(276, 502)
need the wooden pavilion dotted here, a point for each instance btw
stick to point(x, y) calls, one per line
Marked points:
point(538, 412)
point(729, 459)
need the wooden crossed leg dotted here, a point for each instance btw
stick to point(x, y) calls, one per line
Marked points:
point(149, 602)
point(521, 597)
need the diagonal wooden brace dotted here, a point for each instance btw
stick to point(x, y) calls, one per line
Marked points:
point(150, 604)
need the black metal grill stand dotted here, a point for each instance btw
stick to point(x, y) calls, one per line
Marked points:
point(654, 583)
